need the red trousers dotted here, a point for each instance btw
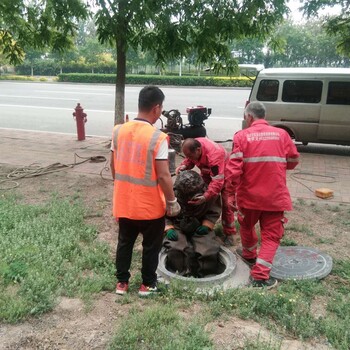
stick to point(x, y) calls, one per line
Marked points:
point(271, 230)
point(228, 212)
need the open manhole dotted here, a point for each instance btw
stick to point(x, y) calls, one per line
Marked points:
point(227, 259)
point(300, 263)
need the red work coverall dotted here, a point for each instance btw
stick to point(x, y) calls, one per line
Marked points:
point(256, 170)
point(212, 167)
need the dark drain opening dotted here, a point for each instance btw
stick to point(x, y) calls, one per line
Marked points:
point(224, 276)
point(194, 269)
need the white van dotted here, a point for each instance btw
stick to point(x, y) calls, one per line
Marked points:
point(312, 104)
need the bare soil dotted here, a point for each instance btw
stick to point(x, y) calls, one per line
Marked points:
point(72, 326)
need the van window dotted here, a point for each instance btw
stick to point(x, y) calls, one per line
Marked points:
point(306, 91)
point(268, 90)
point(338, 93)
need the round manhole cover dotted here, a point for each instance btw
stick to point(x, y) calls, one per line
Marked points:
point(300, 263)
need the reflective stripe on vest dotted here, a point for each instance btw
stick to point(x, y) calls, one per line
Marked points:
point(147, 179)
point(227, 224)
point(240, 213)
point(115, 137)
point(264, 263)
point(293, 160)
point(218, 177)
point(265, 159)
point(236, 155)
point(251, 248)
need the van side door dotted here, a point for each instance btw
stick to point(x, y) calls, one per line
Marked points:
point(335, 113)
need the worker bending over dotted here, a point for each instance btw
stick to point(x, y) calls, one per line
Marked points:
point(211, 158)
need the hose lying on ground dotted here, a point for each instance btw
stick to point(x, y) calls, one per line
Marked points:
point(36, 170)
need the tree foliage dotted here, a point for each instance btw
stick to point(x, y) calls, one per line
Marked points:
point(304, 45)
point(173, 29)
point(169, 29)
point(338, 26)
point(38, 24)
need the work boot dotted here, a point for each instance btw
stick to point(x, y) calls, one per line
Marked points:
point(228, 241)
point(122, 288)
point(145, 291)
point(250, 262)
point(267, 284)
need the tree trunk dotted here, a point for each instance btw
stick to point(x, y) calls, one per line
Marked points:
point(120, 84)
point(32, 70)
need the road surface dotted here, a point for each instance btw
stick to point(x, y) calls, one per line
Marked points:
point(49, 106)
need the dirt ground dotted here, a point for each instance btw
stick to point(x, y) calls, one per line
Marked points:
point(70, 326)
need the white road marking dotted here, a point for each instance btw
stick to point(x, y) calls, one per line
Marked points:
point(74, 92)
point(40, 98)
point(111, 111)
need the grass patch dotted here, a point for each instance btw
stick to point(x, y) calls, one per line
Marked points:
point(288, 310)
point(300, 228)
point(262, 345)
point(285, 241)
point(159, 327)
point(47, 251)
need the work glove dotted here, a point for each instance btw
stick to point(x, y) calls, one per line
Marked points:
point(180, 168)
point(202, 230)
point(172, 208)
point(172, 235)
point(197, 200)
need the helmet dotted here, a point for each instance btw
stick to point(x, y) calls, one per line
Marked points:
point(187, 185)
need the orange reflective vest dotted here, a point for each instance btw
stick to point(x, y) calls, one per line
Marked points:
point(137, 194)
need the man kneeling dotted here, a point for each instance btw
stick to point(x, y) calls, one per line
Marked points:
point(189, 242)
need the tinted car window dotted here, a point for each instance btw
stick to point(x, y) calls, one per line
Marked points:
point(268, 90)
point(338, 93)
point(302, 91)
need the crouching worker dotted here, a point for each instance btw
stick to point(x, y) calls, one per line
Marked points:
point(189, 241)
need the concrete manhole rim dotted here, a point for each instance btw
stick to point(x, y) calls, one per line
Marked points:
point(226, 256)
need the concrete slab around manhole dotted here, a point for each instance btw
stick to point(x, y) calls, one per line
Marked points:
point(300, 263)
point(236, 274)
point(240, 277)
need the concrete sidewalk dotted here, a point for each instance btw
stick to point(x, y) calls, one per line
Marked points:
point(328, 169)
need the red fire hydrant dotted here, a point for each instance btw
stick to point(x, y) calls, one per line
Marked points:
point(81, 119)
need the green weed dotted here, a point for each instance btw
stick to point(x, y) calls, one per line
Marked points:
point(323, 240)
point(300, 228)
point(285, 241)
point(159, 327)
point(262, 345)
point(47, 251)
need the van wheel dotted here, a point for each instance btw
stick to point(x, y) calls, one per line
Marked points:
point(305, 143)
point(290, 133)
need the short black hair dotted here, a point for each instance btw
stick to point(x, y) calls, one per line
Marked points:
point(149, 97)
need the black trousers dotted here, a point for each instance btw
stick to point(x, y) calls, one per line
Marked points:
point(153, 232)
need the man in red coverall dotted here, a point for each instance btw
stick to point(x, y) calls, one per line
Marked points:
point(256, 172)
point(210, 158)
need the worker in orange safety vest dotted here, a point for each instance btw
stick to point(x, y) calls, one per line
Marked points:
point(256, 172)
point(210, 158)
point(143, 189)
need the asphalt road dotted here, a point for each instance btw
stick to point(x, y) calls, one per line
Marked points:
point(49, 106)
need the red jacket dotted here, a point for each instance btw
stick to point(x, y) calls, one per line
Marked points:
point(257, 167)
point(211, 165)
